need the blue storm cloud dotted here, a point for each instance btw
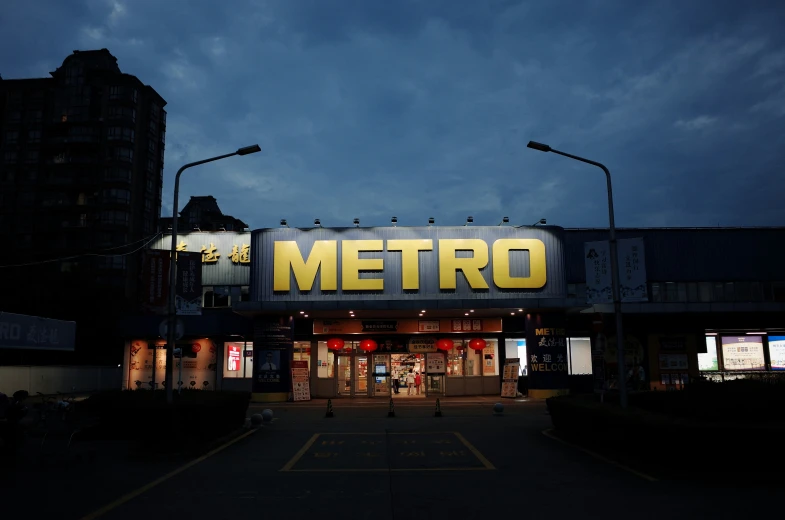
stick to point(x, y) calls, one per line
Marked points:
point(420, 108)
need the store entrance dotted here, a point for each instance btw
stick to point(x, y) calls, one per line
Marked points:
point(407, 369)
point(352, 379)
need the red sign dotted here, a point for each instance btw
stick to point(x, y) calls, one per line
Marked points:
point(300, 364)
point(233, 358)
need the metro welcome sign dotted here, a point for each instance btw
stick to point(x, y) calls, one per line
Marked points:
point(407, 263)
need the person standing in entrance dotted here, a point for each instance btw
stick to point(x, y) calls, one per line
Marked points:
point(417, 382)
point(396, 381)
point(409, 382)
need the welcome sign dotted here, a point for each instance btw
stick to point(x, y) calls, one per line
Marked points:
point(407, 263)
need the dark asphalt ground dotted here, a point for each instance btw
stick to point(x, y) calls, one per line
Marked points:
point(467, 463)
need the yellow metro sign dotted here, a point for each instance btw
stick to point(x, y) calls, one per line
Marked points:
point(288, 258)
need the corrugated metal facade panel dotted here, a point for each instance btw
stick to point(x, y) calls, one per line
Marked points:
point(552, 237)
point(679, 255)
point(222, 272)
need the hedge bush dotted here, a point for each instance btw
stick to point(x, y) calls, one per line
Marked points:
point(143, 416)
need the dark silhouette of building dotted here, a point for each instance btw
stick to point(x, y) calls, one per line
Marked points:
point(81, 174)
point(203, 214)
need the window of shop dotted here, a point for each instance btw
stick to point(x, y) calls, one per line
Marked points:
point(325, 361)
point(223, 295)
point(708, 361)
point(516, 348)
point(302, 352)
point(238, 359)
point(579, 356)
point(463, 360)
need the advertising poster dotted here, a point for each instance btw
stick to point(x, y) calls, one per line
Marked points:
point(273, 344)
point(435, 363)
point(546, 348)
point(233, 358)
point(512, 368)
point(632, 271)
point(301, 388)
point(188, 300)
point(708, 361)
point(743, 353)
point(777, 352)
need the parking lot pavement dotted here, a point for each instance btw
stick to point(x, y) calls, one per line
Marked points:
point(411, 467)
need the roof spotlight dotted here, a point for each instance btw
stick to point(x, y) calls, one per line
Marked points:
point(357, 222)
point(394, 221)
point(317, 222)
point(283, 223)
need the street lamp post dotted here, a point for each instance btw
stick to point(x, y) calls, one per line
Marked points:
point(614, 269)
point(173, 267)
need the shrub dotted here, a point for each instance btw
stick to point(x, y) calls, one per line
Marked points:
point(195, 417)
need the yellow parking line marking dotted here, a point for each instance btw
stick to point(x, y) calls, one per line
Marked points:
point(376, 470)
point(125, 498)
point(549, 433)
point(475, 451)
point(299, 454)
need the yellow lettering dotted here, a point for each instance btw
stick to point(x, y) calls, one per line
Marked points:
point(352, 264)
point(410, 259)
point(501, 263)
point(550, 332)
point(287, 257)
point(449, 264)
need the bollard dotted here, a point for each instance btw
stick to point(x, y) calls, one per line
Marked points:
point(391, 413)
point(438, 409)
point(329, 408)
point(498, 409)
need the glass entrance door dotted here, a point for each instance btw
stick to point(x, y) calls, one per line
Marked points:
point(381, 379)
point(361, 376)
point(344, 375)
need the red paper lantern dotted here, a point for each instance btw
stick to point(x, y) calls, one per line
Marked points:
point(477, 343)
point(367, 345)
point(196, 347)
point(444, 344)
point(335, 343)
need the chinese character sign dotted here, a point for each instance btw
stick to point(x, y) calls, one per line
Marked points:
point(19, 331)
point(632, 271)
point(233, 358)
point(189, 284)
point(546, 350)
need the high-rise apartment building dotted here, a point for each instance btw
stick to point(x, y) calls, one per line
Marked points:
point(81, 173)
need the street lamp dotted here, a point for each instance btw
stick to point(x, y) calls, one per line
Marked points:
point(246, 150)
point(614, 268)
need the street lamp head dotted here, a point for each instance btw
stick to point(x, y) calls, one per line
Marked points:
point(245, 150)
point(538, 146)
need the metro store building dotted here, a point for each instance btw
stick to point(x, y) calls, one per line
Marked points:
point(360, 305)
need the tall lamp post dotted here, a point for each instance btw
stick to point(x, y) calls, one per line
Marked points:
point(614, 269)
point(171, 333)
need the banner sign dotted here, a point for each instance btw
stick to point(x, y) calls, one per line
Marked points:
point(155, 280)
point(356, 326)
point(19, 331)
point(273, 344)
point(189, 284)
point(422, 344)
point(512, 367)
point(233, 358)
point(301, 387)
point(632, 271)
point(546, 348)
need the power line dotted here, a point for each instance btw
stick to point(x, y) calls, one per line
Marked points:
point(93, 254)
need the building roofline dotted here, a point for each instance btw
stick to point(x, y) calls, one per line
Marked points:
point(686, 228)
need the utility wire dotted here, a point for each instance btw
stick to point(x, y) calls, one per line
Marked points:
point(93, 254)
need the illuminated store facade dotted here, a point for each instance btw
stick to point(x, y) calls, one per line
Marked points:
point(363, 308)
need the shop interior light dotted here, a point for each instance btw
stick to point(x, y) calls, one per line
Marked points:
point(305, 315)
point(302, 312)
point(357, 222)
point(756, 334)
point(465, 313)
point(512, 314)
point(423, 311)
point(394, 221)
point(471, 310)
point(469, 220)
point(431, 220)
point(317, 222)
point(420, 314)
point(520, 310)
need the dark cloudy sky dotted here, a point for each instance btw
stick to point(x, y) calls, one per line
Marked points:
point(420, 108)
